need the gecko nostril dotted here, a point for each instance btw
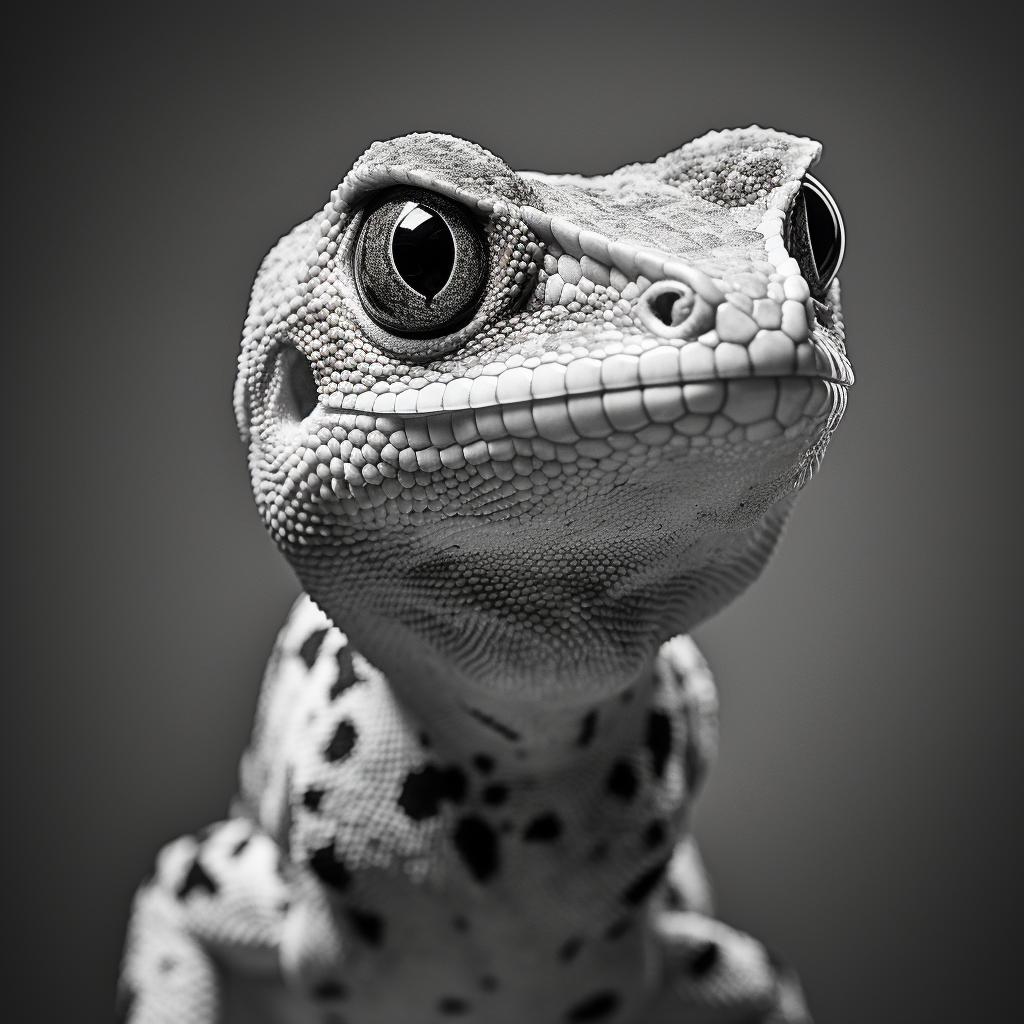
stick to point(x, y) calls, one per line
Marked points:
point(671, 309)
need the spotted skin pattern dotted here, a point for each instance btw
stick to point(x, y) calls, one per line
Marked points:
point(473, 803)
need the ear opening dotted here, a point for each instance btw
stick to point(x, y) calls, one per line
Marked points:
point(285, 395)
point(293, 390)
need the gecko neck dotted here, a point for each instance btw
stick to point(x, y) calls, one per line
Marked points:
point(521, 727)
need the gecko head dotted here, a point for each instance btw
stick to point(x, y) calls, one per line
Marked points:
point(540, 423)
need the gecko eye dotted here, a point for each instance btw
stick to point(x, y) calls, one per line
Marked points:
point(420, 264)
point(814, 235)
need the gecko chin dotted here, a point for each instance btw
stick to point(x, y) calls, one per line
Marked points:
point(559, 585)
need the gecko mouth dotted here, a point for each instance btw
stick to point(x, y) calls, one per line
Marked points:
point(590, 406)
point(374, 450)
point(611, 388)
point(762, 408)
point(605, 374)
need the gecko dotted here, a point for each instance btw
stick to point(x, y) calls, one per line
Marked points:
point(517, 434)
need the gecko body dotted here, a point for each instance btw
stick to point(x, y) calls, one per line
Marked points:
point(517, 434)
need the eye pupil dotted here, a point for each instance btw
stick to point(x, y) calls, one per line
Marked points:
point(814, 235)
point(423, 250)
point(822, 228)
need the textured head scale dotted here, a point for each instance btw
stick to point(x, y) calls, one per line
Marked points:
point(594, 451)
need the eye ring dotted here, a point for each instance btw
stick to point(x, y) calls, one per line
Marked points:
point(420, 267)
point(815, 235)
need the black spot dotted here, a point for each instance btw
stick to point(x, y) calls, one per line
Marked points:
point(460, 924)
point(329, 869)
point(425, 788)
point(618, 928)
point(595, 1007)
point(311, 798)
point(329, 990)
point(424, 739)
point(478, 846)
point(489, 983)
point(545, 828)
point(367, 925)
point(495, 795)
point(342, 742)
point(167, 964)
point(643, 886)
point(654, 835)
point(570, 948)
point(197, 878)
point(240, 847)
point(622, 780)
point(311, 647)
point(492, 723)
point(587, 729)
point(346, 674)
point(483, 763)
point(452, 1005)
point(599, 853)
point(627, 696)
point(659, 740)
point(704, 958)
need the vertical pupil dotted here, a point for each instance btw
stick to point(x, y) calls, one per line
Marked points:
point(822, 229)
point(423, 250)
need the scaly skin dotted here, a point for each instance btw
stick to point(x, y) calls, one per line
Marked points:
point(473, 803)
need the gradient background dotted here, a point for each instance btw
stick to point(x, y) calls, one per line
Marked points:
point(863, 816)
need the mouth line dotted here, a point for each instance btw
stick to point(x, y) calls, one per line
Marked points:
point(521, 385)
point(368, 402)
point(762, 407)
point(677, 382)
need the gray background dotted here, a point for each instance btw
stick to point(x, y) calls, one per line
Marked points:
point(862, 815)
